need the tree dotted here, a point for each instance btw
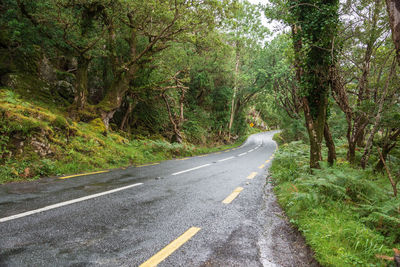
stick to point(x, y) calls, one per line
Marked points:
point(148, 28)
point(314, 27)
point(246, 34)
point(77, 28)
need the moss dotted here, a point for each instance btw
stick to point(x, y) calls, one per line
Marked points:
point(98, 125)
point(60, 122)
point(64, 75)
point(119, 139)
point(35, 91)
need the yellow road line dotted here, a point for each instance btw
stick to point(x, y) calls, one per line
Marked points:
point(217, 153)
point(201, 156)
point(227, 150)
point(169, 249)
point(183, 159)
point(233, 195)
point(150, 164)
point(266, 161)
point(271, 157)
point(261, 167)
point(81, 174)
point(252, 175)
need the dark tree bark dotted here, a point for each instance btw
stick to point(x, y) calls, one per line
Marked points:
point(175, 120)
point(393, 9)
point(131, 106)
point(388, 144)
point(329, 144)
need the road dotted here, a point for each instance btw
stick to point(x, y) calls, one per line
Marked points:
point(210, 210)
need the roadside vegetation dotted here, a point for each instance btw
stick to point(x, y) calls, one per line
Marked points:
point(336, 99)
point(46, 143)
point(347, 215)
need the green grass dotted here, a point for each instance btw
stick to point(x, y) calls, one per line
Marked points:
point(347, 215)
point(73, 147)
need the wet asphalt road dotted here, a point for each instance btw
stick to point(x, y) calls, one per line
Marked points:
point(127, 227)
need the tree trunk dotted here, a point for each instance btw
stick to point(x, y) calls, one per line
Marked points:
point(393, 9)
point(351, 153)
point(378, 117)
point(329, 144)
point(388, 145)
point(315, 132)
point(128, 112)
point(113, 99)
point(81, 82)
point(235, 89)
point(175, 124)
point(361, 138)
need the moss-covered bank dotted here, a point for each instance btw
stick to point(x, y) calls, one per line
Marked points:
point(38, 139)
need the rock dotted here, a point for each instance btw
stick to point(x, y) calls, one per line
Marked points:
point(46, 70)
point(65, 90)
point(27, 172)
point(9, 80)
point(41, 147)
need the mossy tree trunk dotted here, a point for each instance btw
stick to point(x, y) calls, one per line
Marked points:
point(315, 128)
point(113, 98)
point(81, 82)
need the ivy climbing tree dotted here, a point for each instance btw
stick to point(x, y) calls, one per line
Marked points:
point(314, 26)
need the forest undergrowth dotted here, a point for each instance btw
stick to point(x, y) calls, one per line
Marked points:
point(348, 216)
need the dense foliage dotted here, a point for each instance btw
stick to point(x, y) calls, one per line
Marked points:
point(175, 71)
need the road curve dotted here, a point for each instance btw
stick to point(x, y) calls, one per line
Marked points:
point(200, 211)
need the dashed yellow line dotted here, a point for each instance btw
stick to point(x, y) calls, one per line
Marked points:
point(217, 153)
point(271, 157)
point(227, 150)
point(201, 156)
point(183, 159)
point(262, 166)
point(252, 175)
point(169, 249)
point(81, 174)
point(233, 195)
point(267, 161)
point(145, 165)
